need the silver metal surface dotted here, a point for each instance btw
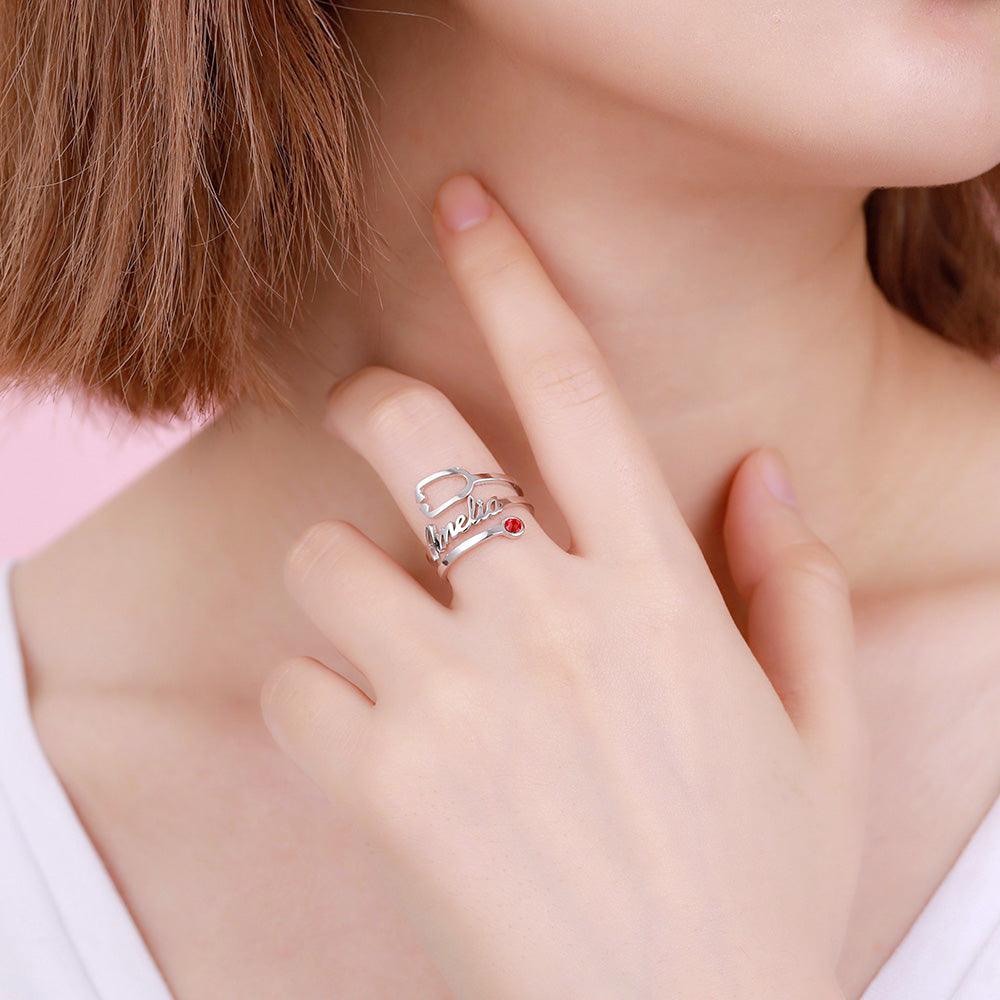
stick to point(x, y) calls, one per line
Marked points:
point(446, 543)
point(457, 551)
point(471, 481)
point(438, 538)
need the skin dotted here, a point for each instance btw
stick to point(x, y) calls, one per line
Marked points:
point(709, 240)
point(543, 771)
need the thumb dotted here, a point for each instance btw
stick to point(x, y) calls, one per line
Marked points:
point(800, 624)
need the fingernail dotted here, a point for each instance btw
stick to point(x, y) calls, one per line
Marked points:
point(462, 203)
point(775, 476)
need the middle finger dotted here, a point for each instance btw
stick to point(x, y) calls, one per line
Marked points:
point(407, 430)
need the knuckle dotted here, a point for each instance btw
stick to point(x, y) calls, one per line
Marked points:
point(319, 550)
point(815, 561)
point(498, 263)
point(402, 407)
point(382, 402)
point(568, 379)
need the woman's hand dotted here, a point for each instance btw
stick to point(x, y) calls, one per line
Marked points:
point(586, 782)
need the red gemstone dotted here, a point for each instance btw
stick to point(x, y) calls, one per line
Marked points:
point(513, 526)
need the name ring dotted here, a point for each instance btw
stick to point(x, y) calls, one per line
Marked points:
point(447, 543)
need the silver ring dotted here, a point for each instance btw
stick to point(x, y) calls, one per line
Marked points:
point(512, 527)
point(470, 482)
point(445, 543)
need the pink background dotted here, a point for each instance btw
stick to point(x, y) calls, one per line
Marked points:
point(57, 462)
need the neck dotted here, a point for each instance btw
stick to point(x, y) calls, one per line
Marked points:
point(732, 300)
point(729, 298)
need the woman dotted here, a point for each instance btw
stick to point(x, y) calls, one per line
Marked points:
point(626, 745)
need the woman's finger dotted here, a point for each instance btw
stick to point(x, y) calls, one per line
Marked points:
point(588, 447)
point(350, 589)
point(408, 430)
point(800, 625)
point(319, 719)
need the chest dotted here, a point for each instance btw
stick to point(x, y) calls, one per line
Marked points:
point(929, 683)
point(246, 882)
point(243, 880)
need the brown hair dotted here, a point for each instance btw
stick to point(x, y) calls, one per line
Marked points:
point(173, 169)
point(935, 253)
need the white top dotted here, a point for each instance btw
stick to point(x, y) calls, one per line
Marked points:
point(66, 934)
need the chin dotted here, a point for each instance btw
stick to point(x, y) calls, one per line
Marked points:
point(931, 106)
point(932, 167)
point(904, 147)
point(933, 142)
point(921, 130)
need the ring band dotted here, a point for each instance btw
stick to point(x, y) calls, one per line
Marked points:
point(445, 544)
point(512, 527)
point(472, 480)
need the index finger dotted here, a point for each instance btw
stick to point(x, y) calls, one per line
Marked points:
point(589, 449)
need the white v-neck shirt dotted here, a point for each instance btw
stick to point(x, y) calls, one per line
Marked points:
point(66, 934)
